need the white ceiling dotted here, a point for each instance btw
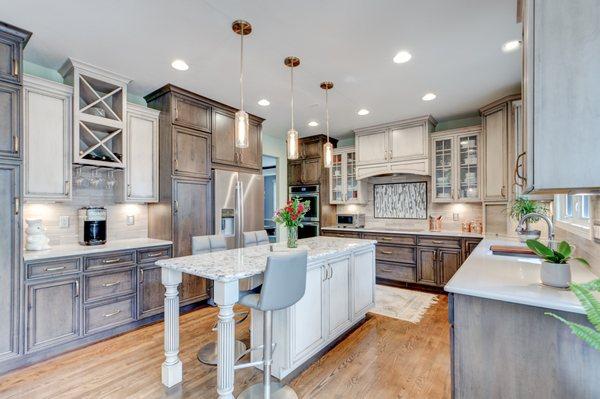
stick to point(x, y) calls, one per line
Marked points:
point(455, 46)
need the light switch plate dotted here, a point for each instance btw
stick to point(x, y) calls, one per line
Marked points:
point(130, 220)
point(63, 222)
point(455, 217)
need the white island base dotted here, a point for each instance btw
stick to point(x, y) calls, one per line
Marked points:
point(340, 288)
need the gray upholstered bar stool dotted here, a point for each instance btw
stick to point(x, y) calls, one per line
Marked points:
point(254, 238)
point(284, 284)
point(201, 245)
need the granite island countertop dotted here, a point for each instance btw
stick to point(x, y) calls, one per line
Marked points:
point(391, 230)
point(514, 279)
point(236, 264)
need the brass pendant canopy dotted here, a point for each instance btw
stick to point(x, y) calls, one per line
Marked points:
point(291, 61)
point(241, 27)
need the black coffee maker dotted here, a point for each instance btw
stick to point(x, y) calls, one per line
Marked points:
point(92, 225)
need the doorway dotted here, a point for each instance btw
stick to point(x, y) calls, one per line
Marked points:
point(270, 198)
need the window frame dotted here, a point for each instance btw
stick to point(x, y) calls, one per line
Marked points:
point(570, 213)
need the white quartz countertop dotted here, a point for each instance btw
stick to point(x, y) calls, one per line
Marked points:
point(236, 264)
point(80, 250)
point(514, 279)
point(391, 230)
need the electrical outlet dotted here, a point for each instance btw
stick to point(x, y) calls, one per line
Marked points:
point(63, 222)
point(455, 217)
point(130, 220)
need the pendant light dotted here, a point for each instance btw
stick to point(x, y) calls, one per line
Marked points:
point(292, 134)
point(327, 147)
point(242, 123)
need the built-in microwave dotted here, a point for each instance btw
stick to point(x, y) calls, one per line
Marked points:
point(351, 220)
point(310, 194)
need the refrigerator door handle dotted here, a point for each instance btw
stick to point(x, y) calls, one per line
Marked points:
point(239, 214)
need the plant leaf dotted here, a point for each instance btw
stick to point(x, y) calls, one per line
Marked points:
point(585, 333)
point(585, 262)
point(589, 303)
point(539, 248)
point(593, 285)
point(564, 249)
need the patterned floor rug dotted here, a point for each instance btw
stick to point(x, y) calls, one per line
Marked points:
point(402, 304)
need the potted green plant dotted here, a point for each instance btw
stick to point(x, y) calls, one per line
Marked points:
point(291, 216)
point(591, 305)
point(522, 206)
point(555, 270)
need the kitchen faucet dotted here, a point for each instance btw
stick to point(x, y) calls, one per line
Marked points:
point(535, 215)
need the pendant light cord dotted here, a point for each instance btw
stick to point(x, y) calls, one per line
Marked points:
point(242, 71)
point(327, 111)
point(292, 71)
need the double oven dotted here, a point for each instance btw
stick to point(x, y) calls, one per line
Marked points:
point(310, 224)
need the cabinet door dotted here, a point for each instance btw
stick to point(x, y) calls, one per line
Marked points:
point(9, 121)
point(408, 143)
point(251, 157)
point(339, 295)
point(142, 157)
point(311, 171)
point(223, 138)
point(294, 173)
point(495, 165)
point(53, 313)
point(191, 217)
point(354, 189)
point(191, 153)
point(10, 55)
point(363, 281)
point(443, 178)
point(10, 245)
point(336, 177)
point(371, 148)
point(151, 291)
point(449, 260)
point(191, 113)
point(307, 315)
point(469, 245)
point(311, 149)
point(426, 266)
point(468, 168)
point(47, 140)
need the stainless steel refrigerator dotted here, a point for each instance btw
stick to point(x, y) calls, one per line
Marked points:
point(238, 204)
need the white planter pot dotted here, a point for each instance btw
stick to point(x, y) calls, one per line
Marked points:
point(556, 274)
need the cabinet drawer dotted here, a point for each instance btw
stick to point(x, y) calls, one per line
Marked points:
point(391, 239)
point(115, 259)
point(109, 315)
point(52, 268)
point(337, 233)
point(151, 255)
point(446, 242)
point(395, 254)
point(109, 285)
point(396, 272)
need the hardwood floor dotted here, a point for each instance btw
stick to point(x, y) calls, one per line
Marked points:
point(383, 358)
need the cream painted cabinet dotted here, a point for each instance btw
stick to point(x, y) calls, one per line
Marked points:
point(398, 147)
point(307, 315)
point(47, 139)
point(140, 177)
point(344, 186)
point(339, 290)
point(363, 281)
point(495, 151)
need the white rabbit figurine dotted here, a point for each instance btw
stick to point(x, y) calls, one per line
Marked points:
point(36, 237)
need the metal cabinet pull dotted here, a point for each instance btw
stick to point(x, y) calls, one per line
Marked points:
point(331, 271)
point(15, 67)
point(76, 288)
point(106, 285)
point(109, 261)
point(116, 312)
point(176, 162)
point(386, 238)
point(141, 276)
point(437, 242)
point(176, 113)
point(54, 269)
point(324, 272)
point(16, 143)
point(435, 255)
point(17, 205)
point(176, 203)
point(503, 191)
point(67, 188)
point(154, 254)
point(386, 252)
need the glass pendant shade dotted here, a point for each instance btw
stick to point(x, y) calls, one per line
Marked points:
point(242, 129)
point(328, 154)
point(292, 144)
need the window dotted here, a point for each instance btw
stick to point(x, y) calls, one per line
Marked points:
point(573, 212)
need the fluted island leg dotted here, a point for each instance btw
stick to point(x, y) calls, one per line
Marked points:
point(172, 368)
point(226, 295)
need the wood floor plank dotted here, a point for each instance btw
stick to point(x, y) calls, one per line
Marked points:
point(383, 358)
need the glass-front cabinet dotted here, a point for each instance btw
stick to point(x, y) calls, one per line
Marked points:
point(455, 163)
point(344, 186)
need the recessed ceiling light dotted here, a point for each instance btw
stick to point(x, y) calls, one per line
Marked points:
point(429, 97)
point(402, 57)
point(180, 65)
point(363, 112)
point(313, 123)
point(264, 102)
point(511, 46)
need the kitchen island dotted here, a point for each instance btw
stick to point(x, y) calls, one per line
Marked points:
point(503, 345)
point(340, 288)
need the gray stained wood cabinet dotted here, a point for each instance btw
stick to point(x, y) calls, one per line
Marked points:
point(224, 151)
point(191, 113)
point(10, 115)
point(151, 291)
point(12, 43)
point(191, 153)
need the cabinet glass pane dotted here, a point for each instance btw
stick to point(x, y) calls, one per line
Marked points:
point(468, 161)
point(337, 189)
point(443, 168)
point(351, 183)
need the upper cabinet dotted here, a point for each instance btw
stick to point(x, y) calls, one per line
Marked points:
point(224, 151)
point(495, 146)
point(399, 147)
point(12, 42)
point(309, 167)
point(345, 188)
point(10, 115)
point(561, 93)
point(455, 156)
point(47, 135)
point(191, 113)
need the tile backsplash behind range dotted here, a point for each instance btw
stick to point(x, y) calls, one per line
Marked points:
point(117, 228)
point(466, 211)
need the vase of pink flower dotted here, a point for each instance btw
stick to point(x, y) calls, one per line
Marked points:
point(291, 216)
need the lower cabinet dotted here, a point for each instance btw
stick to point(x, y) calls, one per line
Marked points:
point(426, 266)
point(436, 266)
point(363, 282)
point(53, 313)
point(308, 315)
point(151, 292)
point(338, 288)
point(449, 260)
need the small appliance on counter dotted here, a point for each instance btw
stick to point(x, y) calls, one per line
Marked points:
point(351, 220)
point(92, 225)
